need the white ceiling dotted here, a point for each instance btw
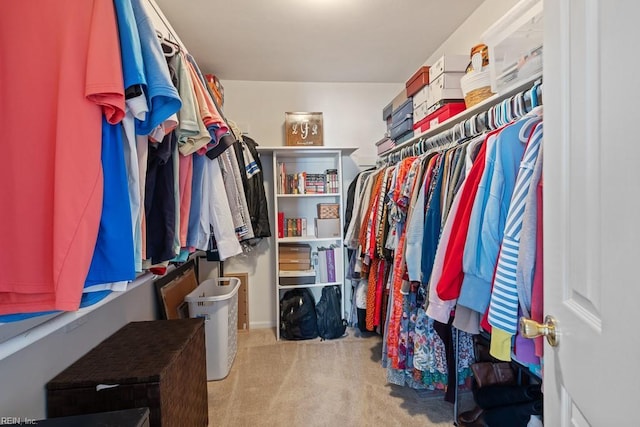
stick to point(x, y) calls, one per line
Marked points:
point(314, 40)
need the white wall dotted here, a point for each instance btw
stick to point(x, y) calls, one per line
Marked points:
point(470, 32)
point(44, 352)
point(352, 112)
point(352, 116)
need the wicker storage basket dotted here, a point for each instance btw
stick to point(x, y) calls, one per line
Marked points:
point(157, 364)
point(477, 95)
point(328, 210)
point(476, 87)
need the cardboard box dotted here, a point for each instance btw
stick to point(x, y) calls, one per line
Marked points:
point(420, 112)
point(294, 253)
point(419, 80)
point(399, 100)
point(386, 111)
point(291, 260)
point(290, 266)
point(401, 113)
point(384, 145)
point(407, 136)
point(447, 86)
point(402, 128)
point(420, 107)
point(448, 64)
point(302, 277)
point(294, 247)
point(440, 115)
point(328, 210)
point(327, 227)
point(303, 129)
point(420, 97)
point(293, 256)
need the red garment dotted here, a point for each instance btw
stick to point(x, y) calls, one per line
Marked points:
point(380, 286)
point(450, 282)
point(61, 73)
point(159, 270)
point(186, 177)
point(366, 222)
point(371, 295)
point(537, 309)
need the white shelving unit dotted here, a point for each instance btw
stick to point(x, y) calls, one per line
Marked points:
point(312, 160)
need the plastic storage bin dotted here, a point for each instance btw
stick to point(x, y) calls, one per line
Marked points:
point(216, 300)
point(515, 45)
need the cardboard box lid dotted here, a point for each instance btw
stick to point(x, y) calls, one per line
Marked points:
point(297, 273)
point(294, 247)
point(423, 72)
point(399, 99)
point(417, 81)
point(296, 261)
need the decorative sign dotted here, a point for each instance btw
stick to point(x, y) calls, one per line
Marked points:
point(303, 128)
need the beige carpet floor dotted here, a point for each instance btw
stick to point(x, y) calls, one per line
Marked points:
point(318, 383)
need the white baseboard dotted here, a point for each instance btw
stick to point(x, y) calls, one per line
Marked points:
point(262, 325)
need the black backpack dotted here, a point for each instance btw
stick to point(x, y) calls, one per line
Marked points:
point(330, 322)
point(298, 315)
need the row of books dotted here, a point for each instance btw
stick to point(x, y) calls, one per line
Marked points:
point(307, 183)
point(291, 227)
point(332, 180)
point(326, 268)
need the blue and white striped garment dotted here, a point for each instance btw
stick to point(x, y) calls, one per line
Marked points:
point(250, 165)
point(503, 308)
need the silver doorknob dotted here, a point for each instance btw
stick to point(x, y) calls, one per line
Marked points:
point(532, 329)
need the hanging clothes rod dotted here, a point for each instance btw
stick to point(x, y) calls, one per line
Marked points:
point(490, 114)
point(171, 37)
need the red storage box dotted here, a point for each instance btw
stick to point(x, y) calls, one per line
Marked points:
point(440, 115)
point(419, 80)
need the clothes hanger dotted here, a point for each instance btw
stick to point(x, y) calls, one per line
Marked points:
point(169, 47)
point(504, 114)
point(235, 130)
point(534, 96)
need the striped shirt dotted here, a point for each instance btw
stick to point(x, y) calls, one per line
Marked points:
point(503, 308)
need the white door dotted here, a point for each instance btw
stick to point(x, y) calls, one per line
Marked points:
point(592, 211)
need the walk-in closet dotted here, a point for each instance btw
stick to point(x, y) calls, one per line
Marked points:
point(319, 213)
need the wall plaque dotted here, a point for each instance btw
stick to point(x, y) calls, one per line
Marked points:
point(303, 129)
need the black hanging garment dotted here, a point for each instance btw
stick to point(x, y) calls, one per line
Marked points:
point(253, 182)
point(159, 201)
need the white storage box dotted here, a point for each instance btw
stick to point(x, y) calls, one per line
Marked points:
point(447, 86)
point(420, 104)
point(515, 45)
point(217, 301)
point(420, 97)
point(420, 112)
point(329, 227)
point(448, 64)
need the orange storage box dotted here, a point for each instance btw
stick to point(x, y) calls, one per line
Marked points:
point(419, 80)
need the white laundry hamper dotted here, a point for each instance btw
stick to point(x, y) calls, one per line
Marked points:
point(216, 300)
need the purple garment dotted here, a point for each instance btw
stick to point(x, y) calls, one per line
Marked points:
point(525, 351)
